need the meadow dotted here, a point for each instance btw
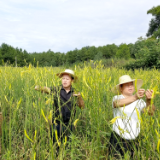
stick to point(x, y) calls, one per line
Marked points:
point(26, 114)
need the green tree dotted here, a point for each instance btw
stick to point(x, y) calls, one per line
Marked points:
point(82, 54)
point(111, 50)
point(71, 58)
point(143, 46)
point(8, 53)
point(150, 56)
point(77, 55)
point(92, 52)
point(123, 51)
point(131, 49)
point(154, 25)
point(98, 56)
point(139, 44)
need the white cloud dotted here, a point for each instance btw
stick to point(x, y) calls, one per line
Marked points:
point(63, 25)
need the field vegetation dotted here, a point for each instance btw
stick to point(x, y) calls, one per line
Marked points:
point(26, 113)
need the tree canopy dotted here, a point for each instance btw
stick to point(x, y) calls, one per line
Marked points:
point(154, 25)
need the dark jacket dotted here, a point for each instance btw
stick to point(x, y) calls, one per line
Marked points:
point(64, 106)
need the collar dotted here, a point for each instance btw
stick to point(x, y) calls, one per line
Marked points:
point(72, 89)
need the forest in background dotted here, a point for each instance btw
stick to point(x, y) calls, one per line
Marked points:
point(144, 53)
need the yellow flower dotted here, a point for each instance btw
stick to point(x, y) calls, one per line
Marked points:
point(158, 145)
point(35, 134)
point(154, 91)
point(158, 140)
point(34, 105)
point(29, 67)
point(65, 141)
point(48, 101)
point(19, 102)
point(55, 121)
point(27, 135)
point(22, 73)
point(114, 119)
point(138, 115)
point(56, 135)
point(157, 132)
point(35, 156)
point(121, 130)
point(50, 115)
point(6, 99)
point(109, 79)
point(75, 122)
point(84, 79)
point(44, 115)
point(82, 95)
point(135, 83)
point(10, 87)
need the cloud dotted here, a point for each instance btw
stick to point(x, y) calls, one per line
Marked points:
point(63, 25)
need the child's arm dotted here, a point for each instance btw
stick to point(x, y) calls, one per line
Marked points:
point(80, 101)
point(151, 109)
point(43, 89)
point(126, 101)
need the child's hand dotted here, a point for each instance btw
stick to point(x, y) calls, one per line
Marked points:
point(149, 94)
point(77, 94)
point(37, 88)
point(140, 93)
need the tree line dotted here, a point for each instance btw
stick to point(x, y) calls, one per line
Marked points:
point(19, 57)
point(145, 51)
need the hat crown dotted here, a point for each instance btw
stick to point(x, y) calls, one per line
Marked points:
point(125, 79)
point(69, 71)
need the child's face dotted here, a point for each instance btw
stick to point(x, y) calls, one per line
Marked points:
point(127, 88)
point(66, 80)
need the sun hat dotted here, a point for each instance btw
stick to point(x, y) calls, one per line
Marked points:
point(126, 79)
point(68, 71)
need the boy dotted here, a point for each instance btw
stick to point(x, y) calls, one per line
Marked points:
point(65, 102)
point(127, 108)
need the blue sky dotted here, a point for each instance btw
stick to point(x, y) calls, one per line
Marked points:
point(63, 25)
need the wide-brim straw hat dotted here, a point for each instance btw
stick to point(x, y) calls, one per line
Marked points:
point(126, 79)
point(69, 72)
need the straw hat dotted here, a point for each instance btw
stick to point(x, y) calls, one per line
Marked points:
point(126, 79)
point(68, 71)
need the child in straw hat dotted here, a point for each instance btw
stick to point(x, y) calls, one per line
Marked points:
point(65, 102)
point(127, 108)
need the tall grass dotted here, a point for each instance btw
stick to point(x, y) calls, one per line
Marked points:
point(26, 132)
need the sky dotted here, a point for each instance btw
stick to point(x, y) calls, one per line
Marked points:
point(63, 25)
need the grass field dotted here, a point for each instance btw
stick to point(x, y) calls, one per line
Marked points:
point(26, 132)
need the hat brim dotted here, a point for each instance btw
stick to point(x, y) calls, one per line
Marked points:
point(116, 89)
point(62, 73)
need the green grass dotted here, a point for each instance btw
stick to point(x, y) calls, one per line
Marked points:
point(21, 106)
